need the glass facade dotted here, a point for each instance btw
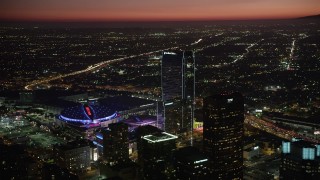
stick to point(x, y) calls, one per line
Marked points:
point(286, 147)
point(223, 134)
point(178, 90)
point(299, 160)
point(308, 153)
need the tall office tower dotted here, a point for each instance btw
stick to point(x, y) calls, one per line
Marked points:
point(178, 90)
point(116, 144)
point(300, 160)
point(223, 134)
point(155, 153)
point(190, 163)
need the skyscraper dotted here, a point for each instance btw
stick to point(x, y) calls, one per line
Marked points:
point(300, 160)
point(190, 163)
point(223, 135)
point(155, 154)
point(178, 90)
point(116, 143)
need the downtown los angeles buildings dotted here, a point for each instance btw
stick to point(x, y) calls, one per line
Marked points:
point(223, 115)
point(234, 58)
point(178, 90)
point(300, 160)
point(155, 154)
point(223, 135)
point(115, 143)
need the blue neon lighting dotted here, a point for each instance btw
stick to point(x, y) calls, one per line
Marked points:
point(74, 120)
point(99, 136)
point(95, 143)
point(88, 121)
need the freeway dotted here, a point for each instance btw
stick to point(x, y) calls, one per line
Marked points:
point(246, 53)
point(90, 68)
point(97, 66)
point(237, 58)
point(271, 128)
point(291, 58)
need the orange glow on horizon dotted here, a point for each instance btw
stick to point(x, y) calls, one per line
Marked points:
point(165, 10)
point(149, 18)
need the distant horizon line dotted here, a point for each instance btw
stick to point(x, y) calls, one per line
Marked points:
point(142, 20)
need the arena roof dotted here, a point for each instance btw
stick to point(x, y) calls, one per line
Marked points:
point(87, 114)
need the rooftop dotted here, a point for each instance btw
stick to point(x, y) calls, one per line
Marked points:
point(190, 154)
point(74, 145)
point(159, 137)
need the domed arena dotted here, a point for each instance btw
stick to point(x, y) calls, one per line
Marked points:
point(87, 114)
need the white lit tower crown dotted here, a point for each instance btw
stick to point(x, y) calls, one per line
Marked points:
point(178, 90)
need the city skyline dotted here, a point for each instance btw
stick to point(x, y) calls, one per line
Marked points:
point(123, 10)
point(152, 95)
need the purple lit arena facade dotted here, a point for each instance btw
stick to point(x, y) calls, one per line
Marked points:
point(133, 123)
point(87, 115)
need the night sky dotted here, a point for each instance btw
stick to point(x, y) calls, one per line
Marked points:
point(145, 10)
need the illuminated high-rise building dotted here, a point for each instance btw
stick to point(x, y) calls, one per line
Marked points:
point(155, 154)
point(223, 135)
point(178, 90)
point(190, 163)
point(300, 160)
point(116, 143)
